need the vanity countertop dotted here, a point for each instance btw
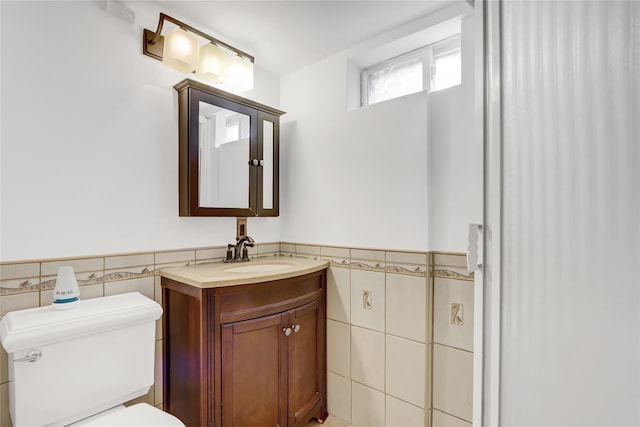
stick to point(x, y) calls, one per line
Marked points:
point(220, 274)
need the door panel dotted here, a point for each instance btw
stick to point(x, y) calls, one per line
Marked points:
point(305, 361)
point(253, 389)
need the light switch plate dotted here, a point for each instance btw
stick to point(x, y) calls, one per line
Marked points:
point(241, 227)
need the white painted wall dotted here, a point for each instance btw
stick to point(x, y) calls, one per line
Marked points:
point(570, 347)
point(379, 176)
point(351, 178)
point(455, 153)
point(89, 148)
point(89, 139)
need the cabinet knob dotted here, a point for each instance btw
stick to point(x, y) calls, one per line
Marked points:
point(255, 162)
point(296, 328)
point(261, 162)
point(287, 331)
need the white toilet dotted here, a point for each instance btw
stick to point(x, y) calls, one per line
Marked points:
point(80, 365)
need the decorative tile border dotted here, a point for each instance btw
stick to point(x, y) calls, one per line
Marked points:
point(409, 263)
point(453, 274)
point(451, 265)
point(340, 257)
point(287, 250)
point(19, 278)
point(40, 275)
point(307, 251)
point(266, 250)
point(366, 259)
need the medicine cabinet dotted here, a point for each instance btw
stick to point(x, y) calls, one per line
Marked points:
point(228, 155)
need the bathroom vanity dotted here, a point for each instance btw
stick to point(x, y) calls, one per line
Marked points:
point(245, 343)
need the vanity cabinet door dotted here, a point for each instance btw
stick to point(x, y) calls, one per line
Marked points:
point(306, 363)
point(253, 356)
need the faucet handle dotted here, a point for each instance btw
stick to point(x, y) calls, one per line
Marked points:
point(229, 252)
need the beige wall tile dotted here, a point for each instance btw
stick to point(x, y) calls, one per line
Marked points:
point(335, 252)
point(211, 254)
point(175, 257)
point(339, 294)
point(145, 286)
point(453, 381)
point(50, 268)
point(403, 414)
point(367, 254)
point(123, 261)
point(406, 306)
point(307, 251)
point(453, 329)
point(453, 273)
point(364, 259)
point(125, 273)
point(92, 291)
point(405, 370)
point(440, 419)
point(373, 283)
point(339, 396)
point(331, 421)
point(450, 259)
point(268, 249)
point(86, 277)
point(393, 257)
point(19, 285)
point(19, 302)
point(339, 348)
point(5, 416)
point(19, 270)
point(414, 264)
point(367, 357)
point(287, 248)
point(368, 406)
point(335, 256)
point(86, 292)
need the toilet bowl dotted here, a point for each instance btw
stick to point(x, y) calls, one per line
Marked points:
point(81, 365)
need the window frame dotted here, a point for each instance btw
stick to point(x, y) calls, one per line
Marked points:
point(427, 54)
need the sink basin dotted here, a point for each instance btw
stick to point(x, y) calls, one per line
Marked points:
point(257, 268)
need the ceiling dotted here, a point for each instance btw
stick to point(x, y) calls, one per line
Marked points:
point(287, 35)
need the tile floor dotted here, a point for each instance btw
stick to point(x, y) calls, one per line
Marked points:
point(330, 422)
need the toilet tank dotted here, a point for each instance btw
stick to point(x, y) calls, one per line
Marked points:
point(93, 357)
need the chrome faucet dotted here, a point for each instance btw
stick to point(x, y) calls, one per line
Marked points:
point(239, 251)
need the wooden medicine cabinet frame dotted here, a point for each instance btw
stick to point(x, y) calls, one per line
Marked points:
point(190, 94)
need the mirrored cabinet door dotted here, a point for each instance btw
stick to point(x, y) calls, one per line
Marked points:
point(224, 147)
point(229, 153)
point(269, 129)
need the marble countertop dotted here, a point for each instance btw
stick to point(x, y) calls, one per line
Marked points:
point(242, 273)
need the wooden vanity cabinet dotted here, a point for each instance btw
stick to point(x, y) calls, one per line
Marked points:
point(246, 355)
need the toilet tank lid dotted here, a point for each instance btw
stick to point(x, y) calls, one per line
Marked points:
point(24, 329)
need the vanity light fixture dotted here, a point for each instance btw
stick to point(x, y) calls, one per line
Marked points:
point(215, 61)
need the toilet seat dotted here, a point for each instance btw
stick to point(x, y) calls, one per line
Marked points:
point(141, 414)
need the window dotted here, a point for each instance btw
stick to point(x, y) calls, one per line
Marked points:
point(236, 128)
point(446, 69)
point(433, 67)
